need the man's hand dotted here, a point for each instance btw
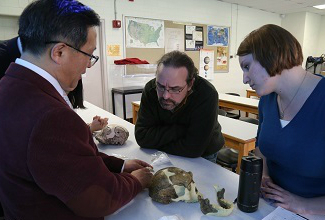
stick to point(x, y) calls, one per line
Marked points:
point(98, 123)
point(144, 176)
point(132, 165)
point(140, 170)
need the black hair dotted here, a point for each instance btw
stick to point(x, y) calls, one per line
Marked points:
point(55, 20)
point(76, 96)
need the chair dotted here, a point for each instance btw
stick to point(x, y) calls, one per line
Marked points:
point(249, 120)
point(222, 112)
point(228, 157)
point(232, 114)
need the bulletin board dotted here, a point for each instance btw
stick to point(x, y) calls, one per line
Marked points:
point(214, 38)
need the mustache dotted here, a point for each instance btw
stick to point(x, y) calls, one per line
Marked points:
point(163, 101)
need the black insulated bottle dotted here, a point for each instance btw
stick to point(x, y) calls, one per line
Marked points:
point(251, 170)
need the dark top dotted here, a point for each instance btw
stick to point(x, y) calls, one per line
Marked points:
point(48, 155)
point(295, 153)
point(9, 51)
point(191, 131)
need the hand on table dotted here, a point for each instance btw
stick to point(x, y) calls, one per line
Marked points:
point(282, 197)
point(140, 170)
point(98, 123)
point(132, 165)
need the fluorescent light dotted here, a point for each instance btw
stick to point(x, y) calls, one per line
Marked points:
point(319, 6)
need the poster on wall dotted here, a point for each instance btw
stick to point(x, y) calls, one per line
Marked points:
point(222, 58)
point(113, 50)
point(174, 39)
point(206, 64)
point(193, 37)
point(144, 33)
point(217, 36)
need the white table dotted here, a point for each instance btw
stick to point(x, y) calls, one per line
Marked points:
point(239, 135)
point(239, 103)
point(251, 92)
point(205, 173)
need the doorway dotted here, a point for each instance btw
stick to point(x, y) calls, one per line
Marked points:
point(95, 79)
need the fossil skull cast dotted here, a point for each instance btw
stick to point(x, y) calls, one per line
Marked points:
point(113, 134)
point(172, 184)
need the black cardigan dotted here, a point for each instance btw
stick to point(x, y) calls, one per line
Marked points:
point(192, 131)
point(9, 51)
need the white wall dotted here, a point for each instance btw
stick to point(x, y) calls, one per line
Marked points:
point(12, 7)
point(311, 35)
point(321, 38)
point(295, 24)
point(241, 19)
point(248, 20)
point(8, 27)
point(308, 29)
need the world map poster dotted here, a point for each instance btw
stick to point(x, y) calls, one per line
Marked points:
point(218, 36)
point(144, 33)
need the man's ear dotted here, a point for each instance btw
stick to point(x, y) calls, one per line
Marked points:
point(191, 84)
point(57, 52)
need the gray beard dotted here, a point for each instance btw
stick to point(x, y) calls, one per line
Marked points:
point(162, 100)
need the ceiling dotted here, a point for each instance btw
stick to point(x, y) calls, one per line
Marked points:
point(282, 6)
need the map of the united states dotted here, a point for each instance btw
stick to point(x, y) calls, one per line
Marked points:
point(144, 34)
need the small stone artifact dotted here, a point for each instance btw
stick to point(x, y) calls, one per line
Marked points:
point(113, 134)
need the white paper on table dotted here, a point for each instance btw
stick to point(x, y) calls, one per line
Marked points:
point(171, 217)
point(282, 214)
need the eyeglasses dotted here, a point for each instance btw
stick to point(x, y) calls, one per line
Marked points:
point(93, 59)
point(161, 88)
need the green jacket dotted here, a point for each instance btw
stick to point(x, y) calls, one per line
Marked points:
point(192, 131)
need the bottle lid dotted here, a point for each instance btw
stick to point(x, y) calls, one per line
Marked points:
point(252, 164)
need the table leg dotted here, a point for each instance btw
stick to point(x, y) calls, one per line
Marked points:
point(124, 108)
point(243, 151)
point(113, 102)
point(247, 96)
point(135, 114)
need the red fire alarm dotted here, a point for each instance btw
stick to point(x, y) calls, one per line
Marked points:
point(116, 23)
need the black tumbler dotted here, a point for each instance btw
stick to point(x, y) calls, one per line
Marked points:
point(251, 170)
